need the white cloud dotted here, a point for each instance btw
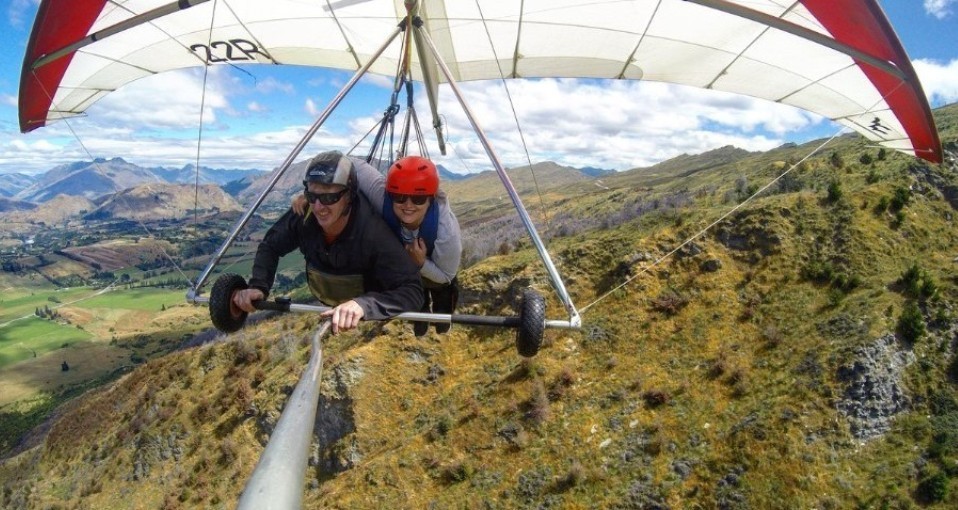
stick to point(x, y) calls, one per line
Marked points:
point(310, 107)
point(607, 124)
point(939, 81)
point(163, 101)
point(8, 99)
point(617, 124)
point(378, 80)
point(940, 9)
point(18, 12)
point(271, 84)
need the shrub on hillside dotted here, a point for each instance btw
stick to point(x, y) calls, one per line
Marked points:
point(882, 205)
point(898, 220)
point(818, 271)
point(933, 489)
point(911, 323)
point(835, 192)
point(900, 198)
point(836, 160)
point(944, 441)
point(790, 183)
point(917, 283)
point(669, 302)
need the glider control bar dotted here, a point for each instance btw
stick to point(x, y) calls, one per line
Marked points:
point(811, 35)
point(530, 324)
point(139, 19)
point(286, 306)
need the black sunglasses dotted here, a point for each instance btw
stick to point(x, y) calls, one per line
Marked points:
point(416, 199)
point(325, 198)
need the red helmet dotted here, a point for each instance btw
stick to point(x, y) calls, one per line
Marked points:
point(413, 175)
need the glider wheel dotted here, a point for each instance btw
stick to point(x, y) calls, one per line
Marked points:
point(226, 317)
point(531, 323)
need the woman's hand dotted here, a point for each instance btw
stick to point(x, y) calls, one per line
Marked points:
point(417, 251)
point(299, 205)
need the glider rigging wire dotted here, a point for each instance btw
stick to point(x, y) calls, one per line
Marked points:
point(700, 233)
point(512, 106)
point(116, 190)
point(199, 134)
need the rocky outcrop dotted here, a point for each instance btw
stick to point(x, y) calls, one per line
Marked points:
point(335, 452)
point(752, 231)
point(152, 449)
point(874, 391)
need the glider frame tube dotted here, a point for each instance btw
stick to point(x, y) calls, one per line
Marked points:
point(442, 318)
point(192, 294)
point(506, 182)
point(277, 481)
point(811, 35)
point(146, 17)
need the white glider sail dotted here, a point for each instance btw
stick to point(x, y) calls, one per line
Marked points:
point(838, 58)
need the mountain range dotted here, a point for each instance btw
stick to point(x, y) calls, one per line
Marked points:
point(112, 186)
point(100, 177)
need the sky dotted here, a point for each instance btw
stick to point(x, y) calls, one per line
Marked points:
point(253, 118)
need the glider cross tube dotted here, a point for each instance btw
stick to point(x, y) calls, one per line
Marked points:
point(805, 33)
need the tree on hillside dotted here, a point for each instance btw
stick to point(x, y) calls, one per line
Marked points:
point(837, 161)
point(834, 191)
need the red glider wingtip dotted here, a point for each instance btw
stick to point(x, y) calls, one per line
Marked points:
point(58, 24)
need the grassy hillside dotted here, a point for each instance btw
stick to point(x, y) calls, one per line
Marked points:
point(798, 354)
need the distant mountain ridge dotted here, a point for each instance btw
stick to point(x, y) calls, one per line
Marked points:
point(92, 180)
point(446, 175)
point(7, 205)
point(596, 172)
point(102, 177)
point(11, 184)
point(219, 176)
point(164, 201)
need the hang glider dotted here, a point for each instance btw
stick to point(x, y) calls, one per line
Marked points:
point(838, 58)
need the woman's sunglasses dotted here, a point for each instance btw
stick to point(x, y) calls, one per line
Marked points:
point(325, 198)
point(401, 199)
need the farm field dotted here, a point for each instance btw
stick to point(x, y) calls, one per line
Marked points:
point(95, 333)
point(18, 301)
point(28, 338)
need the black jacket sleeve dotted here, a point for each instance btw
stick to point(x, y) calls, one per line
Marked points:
point(280, 239)
point(396, 275)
